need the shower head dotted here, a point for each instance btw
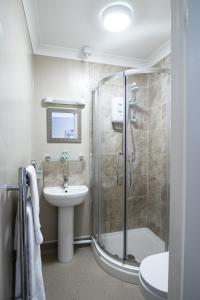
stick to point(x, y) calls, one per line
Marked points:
point(134, 90)
point(134, 87)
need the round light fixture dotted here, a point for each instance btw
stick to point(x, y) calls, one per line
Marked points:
point(116, 16)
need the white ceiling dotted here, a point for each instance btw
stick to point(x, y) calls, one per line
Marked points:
point(63, 27)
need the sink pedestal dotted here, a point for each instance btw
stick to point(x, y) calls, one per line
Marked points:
point(65, 233)
point(65, 201)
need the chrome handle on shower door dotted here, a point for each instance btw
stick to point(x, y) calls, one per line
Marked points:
point(130, 174)
point(117, 167)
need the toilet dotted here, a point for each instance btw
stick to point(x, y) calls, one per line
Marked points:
point(153, 276)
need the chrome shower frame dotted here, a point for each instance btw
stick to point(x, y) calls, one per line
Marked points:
point(121, 268)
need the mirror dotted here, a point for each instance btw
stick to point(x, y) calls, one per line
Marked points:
point(63, 125)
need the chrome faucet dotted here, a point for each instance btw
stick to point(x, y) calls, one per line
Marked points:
point(65, 184)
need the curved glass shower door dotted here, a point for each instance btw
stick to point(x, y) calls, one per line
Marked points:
point(130, 162)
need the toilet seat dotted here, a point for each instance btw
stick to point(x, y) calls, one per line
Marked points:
point(153, 276)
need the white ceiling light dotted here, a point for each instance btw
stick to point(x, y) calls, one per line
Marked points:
point(116, 16)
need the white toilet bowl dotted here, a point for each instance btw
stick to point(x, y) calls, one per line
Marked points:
point(153, 276)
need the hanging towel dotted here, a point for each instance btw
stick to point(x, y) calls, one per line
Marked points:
point(35, 203)
point(36, 284)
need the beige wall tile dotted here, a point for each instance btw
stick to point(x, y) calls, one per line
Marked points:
point(159, 97)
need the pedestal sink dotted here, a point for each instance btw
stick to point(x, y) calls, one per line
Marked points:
point(65, 200)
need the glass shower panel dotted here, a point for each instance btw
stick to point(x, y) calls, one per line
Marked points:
point(111, 175)
point(147, 101)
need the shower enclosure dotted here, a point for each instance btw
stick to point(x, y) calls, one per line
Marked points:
point(131, 123)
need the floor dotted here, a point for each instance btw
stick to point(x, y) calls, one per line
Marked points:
point(141, 242)
point(83, 279)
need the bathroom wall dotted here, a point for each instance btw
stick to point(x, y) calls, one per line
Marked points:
point(66, 79)
point(16, 86)
point(70, 79)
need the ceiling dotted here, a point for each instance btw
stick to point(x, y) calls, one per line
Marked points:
point(62, 28)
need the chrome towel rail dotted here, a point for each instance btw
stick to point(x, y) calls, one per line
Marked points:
point(23, 189)
point(9, 187)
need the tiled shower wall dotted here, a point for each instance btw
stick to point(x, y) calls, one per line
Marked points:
point(158, 140)
point(147, 154)
point(137, 154)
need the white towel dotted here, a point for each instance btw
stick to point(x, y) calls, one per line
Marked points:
point(35, 203)
point(36, 285)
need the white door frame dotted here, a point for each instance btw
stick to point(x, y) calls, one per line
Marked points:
point(184, 243)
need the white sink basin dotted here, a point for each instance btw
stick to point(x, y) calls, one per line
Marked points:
point(65, 200)
point(57, 195)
